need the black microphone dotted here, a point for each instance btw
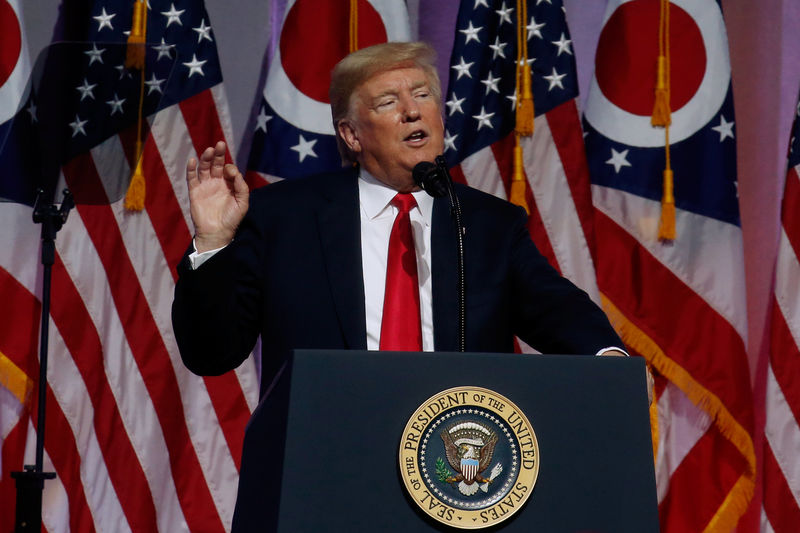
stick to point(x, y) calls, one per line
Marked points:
point(434, 179)
point(430, 178)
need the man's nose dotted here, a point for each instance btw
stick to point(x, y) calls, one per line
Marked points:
point(410, 109)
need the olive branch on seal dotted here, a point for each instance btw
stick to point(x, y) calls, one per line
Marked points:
point(442, 472)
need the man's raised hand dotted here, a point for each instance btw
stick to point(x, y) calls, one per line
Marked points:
point(218, 198)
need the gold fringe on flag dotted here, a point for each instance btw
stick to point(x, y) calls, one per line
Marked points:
point(662, 116)
point(14, 380)
point(353, 33)
point(739, 496)
point(135, 196)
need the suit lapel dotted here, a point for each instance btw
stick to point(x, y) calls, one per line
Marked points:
point(444, 283)
point(339, 226)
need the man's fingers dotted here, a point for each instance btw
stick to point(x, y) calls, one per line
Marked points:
point(235, 178)
point(219, 159)
point(191, 171)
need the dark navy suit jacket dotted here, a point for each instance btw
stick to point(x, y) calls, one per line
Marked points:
point(293, 274)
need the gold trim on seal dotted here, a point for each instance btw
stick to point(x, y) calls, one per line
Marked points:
point(470, 422)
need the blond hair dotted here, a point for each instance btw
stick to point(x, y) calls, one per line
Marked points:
point(358, 67)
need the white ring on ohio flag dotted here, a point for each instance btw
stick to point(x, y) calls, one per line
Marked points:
point(635, 130)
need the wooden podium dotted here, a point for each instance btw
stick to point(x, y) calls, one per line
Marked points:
point(321, 450)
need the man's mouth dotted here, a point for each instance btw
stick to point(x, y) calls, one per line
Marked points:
point(416, 136)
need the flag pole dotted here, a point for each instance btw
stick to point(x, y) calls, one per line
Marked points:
point(30, 482)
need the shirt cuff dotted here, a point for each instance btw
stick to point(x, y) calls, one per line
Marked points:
point(198, 258)
point(612, 348)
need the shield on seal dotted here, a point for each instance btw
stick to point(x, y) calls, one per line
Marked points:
point(469, 467)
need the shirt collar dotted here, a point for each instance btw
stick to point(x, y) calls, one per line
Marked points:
point(375, 197)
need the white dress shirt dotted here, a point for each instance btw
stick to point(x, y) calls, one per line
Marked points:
point(377, 217)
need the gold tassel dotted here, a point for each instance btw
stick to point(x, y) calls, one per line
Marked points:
point(517, 194)
point(134, 57)
point(666, 228)
point(524, 110)
point(524, 117)
point(662, 115)
point(134, 198)
point(353, 25)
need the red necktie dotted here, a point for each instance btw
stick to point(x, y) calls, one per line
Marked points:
point(400, 327)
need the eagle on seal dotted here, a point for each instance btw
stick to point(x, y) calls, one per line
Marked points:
point(469, 449)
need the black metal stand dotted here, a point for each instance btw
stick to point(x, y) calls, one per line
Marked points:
point(30, 482)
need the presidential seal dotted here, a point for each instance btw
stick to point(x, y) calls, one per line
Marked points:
point(469, 457)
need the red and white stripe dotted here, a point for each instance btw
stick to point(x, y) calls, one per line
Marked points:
point(558, 194)
point(137, 441)
point(688, 299)
point(781, 497)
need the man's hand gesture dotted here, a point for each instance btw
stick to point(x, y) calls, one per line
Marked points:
point(218, 198)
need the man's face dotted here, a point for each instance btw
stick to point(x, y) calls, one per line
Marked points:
point(394, 123)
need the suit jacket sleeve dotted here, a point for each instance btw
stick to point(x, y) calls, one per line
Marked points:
point(216, 312)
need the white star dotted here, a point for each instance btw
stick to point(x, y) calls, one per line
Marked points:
point(534, 29)
point(491, 83)
point(163, 50)
point(173, 15)
point(203, 31)
point(480, 3)
point(154, 84)
point(555, 80)
point(304, 148)
point(483, 119)
point(619, 160)
point(122, 71)
point(195, 66)
point(454, 104)
point(31, 109)
point(261, 120)
point(513, 99)
point(86, 89)
point(505, 14)
point(449, 141)
point(116, 104)
point(77, 126)
point(563, 45)
point(498, 48)
point(462, 69)
point(95, 54)
point(471, 33)
point(725, 129)
point(104, 19)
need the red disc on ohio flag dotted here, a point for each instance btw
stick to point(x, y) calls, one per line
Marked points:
point(10, 41)
point(625, 65)
point(322, 28)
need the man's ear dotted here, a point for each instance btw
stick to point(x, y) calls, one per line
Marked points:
point(348, 133)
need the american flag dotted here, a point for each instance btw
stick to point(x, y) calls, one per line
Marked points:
point(781, 470)
point(680, 304)
point(480, 111)
point(293, 133)
point(138, 443)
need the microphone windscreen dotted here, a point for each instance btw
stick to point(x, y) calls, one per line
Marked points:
point(427, 176)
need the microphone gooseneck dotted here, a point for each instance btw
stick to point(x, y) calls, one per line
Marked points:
point(435, 179)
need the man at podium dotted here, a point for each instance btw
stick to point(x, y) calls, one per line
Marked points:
point(363, 258)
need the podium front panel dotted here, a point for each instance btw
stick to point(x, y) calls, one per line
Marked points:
point(321, 453)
